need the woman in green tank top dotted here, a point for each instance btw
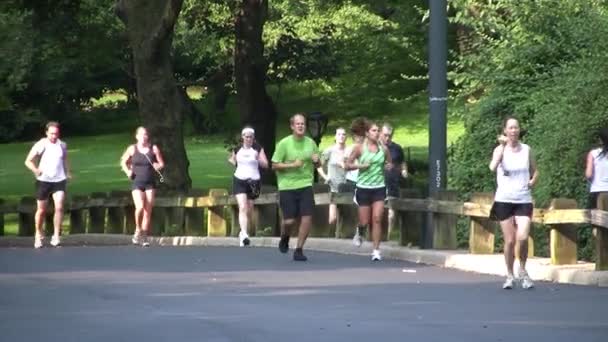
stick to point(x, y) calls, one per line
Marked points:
point(373, 158)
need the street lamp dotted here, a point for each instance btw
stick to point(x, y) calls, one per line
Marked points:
point(316, 123)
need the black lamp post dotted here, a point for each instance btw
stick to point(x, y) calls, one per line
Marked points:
point(316, 123)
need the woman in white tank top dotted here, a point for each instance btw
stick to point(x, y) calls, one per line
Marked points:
point(247, 158)
point(596, 170)
point(516, 173)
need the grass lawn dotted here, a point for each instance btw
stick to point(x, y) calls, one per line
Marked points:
point(95, 159)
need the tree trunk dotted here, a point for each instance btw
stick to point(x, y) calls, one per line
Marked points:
point(162, 106)
point(255, 105)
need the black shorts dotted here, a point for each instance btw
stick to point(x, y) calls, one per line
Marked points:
point(45, 189)
point(251, 187)
point(503, 210)
point(297, 203)
point(365, 197)
point(143, 185)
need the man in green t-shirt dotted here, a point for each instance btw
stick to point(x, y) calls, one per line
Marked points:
point(294, 161)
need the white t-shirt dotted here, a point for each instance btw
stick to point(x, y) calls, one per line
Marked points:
point(599, 182)
point(513, 175)
point(52, 156)
point(351, 175)
point(247, 166)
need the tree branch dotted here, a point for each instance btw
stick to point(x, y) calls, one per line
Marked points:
point(167, 23)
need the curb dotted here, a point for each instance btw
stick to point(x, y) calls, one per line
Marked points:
point(538, 268)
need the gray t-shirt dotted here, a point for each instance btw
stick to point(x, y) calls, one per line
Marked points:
point(333, 157)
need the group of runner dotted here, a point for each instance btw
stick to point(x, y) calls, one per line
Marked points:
point(372, 166)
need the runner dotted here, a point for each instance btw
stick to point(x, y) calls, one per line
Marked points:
point(48, 160)
point(246, 183)
point(516, 173)
point(294, 160)
point(141, 162)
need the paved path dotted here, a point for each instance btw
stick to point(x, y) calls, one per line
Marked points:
point(233, 294)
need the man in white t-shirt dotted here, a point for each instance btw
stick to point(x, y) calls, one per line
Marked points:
point(48, 160)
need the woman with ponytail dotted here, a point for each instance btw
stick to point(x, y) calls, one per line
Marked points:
point(596, 171)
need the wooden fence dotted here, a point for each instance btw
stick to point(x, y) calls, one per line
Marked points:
point(215, 213)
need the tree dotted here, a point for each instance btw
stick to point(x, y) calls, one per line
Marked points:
point(256, 106)
point(162, 104)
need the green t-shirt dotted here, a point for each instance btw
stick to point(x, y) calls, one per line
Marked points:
point(288, 150)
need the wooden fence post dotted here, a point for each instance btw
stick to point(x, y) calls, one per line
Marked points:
point(347, 220)
point(175, 216)
point(97, 215)
point(194, 218)
point(77, 222)
point(116, 214)
point(563, 238)
point(48, 218)
point(27, 210)
point(217, 224)
point(601, 240)
point(482, 230)
point(320, 213)
point(410, 223)
point(444, 225)
point(266, 216)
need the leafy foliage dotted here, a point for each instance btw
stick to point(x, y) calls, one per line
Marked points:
point(544, 62)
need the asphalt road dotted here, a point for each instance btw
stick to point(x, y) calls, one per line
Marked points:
point(257, 294)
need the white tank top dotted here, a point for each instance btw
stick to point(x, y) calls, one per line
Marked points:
point(599, 182)
point(247, 166)
point(513, 175)
point(51, 160)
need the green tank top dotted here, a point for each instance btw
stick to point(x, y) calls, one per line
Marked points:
point(373, 176)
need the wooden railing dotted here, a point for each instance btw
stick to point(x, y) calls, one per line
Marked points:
point(215, 213)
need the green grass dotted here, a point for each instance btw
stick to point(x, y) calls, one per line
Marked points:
point(95, 159)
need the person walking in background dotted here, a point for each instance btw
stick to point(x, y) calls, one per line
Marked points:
point(48, 161)
point(246, 183)
point(370, 193)
point(393, 176)
point(333, 158)
point(294, 160)
point(140, 162)
point(357, 130)
point(516, 174)
point(596, 170)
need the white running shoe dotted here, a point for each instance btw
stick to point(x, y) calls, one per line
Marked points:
point(55, 241)
point(38, 241)
point(357, 239)
point(376, 256)
point(508, 285)
point(243, 239)
point(136, 239)
point(526, 281)
point(145, 242)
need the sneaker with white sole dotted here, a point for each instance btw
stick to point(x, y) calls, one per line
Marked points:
point(243, 239)
point(376, 256)
point(55, 241)
point(145, 241)
point(136, 239)
point(526, 281)
point(357, 239)
point(38, 241)
point(508, 284)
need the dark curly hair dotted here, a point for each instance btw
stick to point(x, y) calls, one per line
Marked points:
point(603, 135)
point(359, 126)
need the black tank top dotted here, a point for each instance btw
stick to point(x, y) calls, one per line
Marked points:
point(142, 168)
